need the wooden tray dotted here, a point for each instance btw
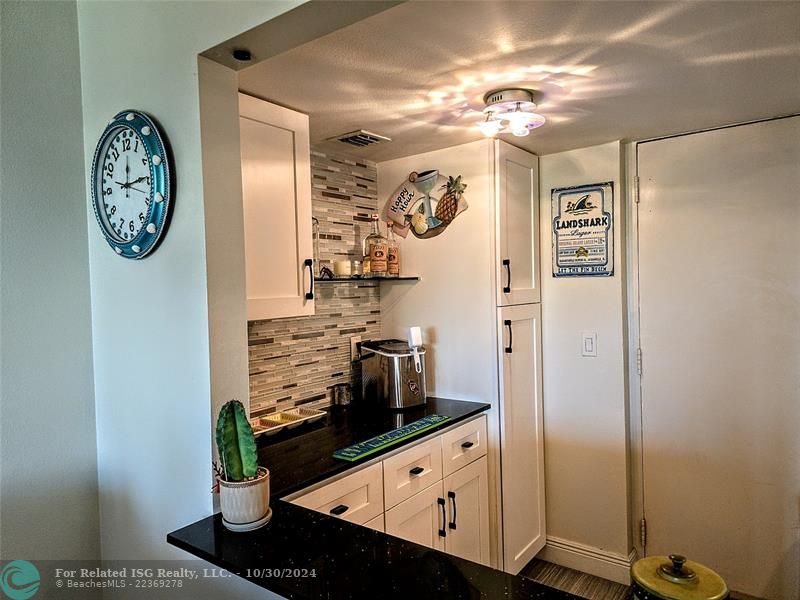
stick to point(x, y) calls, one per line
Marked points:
point(290, 419)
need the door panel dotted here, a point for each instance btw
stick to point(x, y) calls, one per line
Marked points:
point(420, 519)
point(517, 188)
point(467, 494)
point(720, 307)
point(276, 192)
point(521, 434)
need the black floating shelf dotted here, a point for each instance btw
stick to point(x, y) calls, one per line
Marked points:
point(357, 279)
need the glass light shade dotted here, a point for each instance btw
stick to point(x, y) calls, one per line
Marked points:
point(521, 131)
point(518, 121)
point(490, 128)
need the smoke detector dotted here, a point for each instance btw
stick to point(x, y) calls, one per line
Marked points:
point(360, 138)
point(510, 110)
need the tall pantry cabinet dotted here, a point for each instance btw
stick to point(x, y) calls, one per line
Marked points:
point(519, 318)
point(477, 302)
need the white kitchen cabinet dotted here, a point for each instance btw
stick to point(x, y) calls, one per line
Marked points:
point(463, 444)
point(517, 210)
point(467, 492)
point(357, 497)
point(377, 524)
point(450, 514)
point(411, 471)
point(421, 519)
point(521, 434)
point(276, 193)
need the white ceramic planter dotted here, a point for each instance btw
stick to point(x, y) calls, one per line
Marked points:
point(245, 504)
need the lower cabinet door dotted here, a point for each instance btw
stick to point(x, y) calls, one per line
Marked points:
point(521, 434)
point(376, 524)
point(467, 496)
point(421, 519)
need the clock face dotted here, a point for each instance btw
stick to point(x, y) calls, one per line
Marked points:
point(131, 185)
point(125, 184)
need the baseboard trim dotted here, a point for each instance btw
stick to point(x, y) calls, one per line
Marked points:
point(588, 559)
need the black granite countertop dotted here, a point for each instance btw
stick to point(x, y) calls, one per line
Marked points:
point(310, 555)
point(301, 553)
point(298, 458)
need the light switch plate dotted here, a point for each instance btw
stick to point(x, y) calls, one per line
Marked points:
point(588, 343)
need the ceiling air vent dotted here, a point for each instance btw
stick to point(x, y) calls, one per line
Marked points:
point(360, 138)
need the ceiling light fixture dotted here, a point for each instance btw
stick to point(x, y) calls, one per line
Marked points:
point(510, 110)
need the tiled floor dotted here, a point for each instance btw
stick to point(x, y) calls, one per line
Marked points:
point(574, 582)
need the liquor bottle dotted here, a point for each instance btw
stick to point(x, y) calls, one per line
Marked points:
point(393, 251)
point(375, 250)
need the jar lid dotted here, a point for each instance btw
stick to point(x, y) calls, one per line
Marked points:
point(675, 578)
point(391, 348)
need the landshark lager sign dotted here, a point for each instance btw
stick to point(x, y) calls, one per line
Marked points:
point(583, 230)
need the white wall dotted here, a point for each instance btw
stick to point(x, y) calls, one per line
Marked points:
point(48, 470)
point(454, 301)
point(585, 398)
point(151, 317)
point(225, 263)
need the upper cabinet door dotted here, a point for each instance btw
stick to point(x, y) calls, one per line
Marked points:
point(521, 433)
point(276, 191)
point(517, 191)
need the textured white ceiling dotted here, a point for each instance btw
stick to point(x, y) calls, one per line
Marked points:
point(607, 70)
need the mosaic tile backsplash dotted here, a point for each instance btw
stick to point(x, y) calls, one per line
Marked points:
point(297, 361)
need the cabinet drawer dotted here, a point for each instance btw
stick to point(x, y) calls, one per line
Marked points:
point(463, 445)
point(357, 498)
point(412, 471)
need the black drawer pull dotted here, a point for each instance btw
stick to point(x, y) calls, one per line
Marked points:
point(340, 510)
point(309, 263)
point(510, 348)
point(416, 471)
point(507, 265)
point(467, 445)
point(452, 496)
point(442, 530)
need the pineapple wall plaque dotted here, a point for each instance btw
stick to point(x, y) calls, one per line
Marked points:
point(426, 203)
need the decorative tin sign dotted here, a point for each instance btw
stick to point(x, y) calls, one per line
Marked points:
point(583, 230)
point(425, 204)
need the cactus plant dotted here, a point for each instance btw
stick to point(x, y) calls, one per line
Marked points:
point(236, 443)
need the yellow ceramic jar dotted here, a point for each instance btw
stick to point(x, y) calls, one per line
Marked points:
point(675, 578)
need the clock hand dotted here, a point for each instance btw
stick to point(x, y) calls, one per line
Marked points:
point(136, 189)
point(127, 176)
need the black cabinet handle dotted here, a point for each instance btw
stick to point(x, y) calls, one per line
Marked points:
point(416, 470)
point(507, 265)
point(467, 445)
point(339, 510)
point(310, 264)
point(442, 530)
point(452, 496)
point(510, 348)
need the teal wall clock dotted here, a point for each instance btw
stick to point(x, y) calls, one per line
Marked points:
point(131, 184)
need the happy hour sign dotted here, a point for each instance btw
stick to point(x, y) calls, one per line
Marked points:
point(583, 231)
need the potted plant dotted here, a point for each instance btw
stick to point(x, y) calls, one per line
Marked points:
point(243, 485)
